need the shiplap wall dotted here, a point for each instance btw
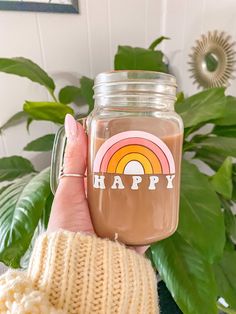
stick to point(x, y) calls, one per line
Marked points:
point(68, 46)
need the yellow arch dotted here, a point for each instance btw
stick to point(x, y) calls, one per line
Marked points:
point(134, 156)
point(129, 149)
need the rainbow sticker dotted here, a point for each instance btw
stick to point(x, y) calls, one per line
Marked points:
point(134, 152)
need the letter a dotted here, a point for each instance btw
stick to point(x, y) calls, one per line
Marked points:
point(117, 183)
point(136, 181)
point(99, 182)
point(169, 180)
point(153, 181)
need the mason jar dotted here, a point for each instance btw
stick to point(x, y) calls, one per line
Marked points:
point(134, 157)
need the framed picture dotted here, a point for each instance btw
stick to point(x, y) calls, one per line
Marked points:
point(54, 6)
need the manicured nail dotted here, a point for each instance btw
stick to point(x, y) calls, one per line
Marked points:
point(70, 128)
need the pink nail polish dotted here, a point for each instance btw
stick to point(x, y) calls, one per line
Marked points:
point(70, 127)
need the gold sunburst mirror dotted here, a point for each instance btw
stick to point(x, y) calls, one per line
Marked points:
point(212, 61)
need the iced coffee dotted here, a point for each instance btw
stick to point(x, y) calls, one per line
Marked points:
point(134, 178)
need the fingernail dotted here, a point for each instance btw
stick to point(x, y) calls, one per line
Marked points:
point(70, 127)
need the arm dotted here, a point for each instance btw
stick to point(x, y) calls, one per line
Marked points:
point(80, 273)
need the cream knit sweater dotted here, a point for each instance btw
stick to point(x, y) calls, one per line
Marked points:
point(77, 273)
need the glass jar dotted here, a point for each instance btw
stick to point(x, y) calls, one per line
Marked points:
point(134, 157)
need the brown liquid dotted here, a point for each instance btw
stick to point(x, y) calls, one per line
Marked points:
point(141, 216)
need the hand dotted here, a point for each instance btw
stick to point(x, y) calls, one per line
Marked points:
point(70, 209)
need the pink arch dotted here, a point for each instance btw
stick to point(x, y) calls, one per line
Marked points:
point(136, 141)
point(165, 156)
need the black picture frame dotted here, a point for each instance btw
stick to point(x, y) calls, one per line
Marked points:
point(40, 7)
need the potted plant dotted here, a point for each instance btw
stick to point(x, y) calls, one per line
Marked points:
point(197, 263)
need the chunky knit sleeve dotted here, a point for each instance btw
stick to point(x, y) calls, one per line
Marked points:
point(84, 274)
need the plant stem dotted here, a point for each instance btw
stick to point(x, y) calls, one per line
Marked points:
point(225, 309)
point(53, 95)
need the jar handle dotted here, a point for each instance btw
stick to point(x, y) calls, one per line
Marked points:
point(58, 155)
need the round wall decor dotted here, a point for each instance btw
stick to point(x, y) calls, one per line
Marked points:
point(212, 61)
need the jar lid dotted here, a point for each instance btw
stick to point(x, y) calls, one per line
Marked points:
point(138, 76)
point(117, 84)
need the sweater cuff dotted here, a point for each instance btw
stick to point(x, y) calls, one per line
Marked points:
point(93, 275)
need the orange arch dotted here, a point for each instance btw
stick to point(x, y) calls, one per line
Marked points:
point(129, 149)
point(134, 156)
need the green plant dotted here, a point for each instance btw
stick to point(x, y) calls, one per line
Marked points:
point(198, 262)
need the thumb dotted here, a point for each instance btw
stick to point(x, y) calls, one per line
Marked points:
point(76, 147)
point(70, 208)
point(75, 158)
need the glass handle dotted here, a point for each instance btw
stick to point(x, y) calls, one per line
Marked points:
point(57, 158)
point(58, 155)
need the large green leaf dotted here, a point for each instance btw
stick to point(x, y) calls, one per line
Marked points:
point(69, 94)
point(229, 115)
point(49, 111)
point(234, 183)
point(202, 107)
point(21, 207)
point(86, 86)
point(41, 144)
point(225, 274)
point(130, 58)
point(222, 179)
point(14, 167)
point(180, 97)
point(27, 68)
point(201, 220)
point(225, 130)
point(187, 275)
point(225, 146)
point(230, 223)
point(47, 210)
point(4, 187)
point(213, 160)
point(17, 118)
point(41, 227)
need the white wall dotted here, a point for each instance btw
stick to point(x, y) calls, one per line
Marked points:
point(71, 45)
point(67, 46)
point(185, 21)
